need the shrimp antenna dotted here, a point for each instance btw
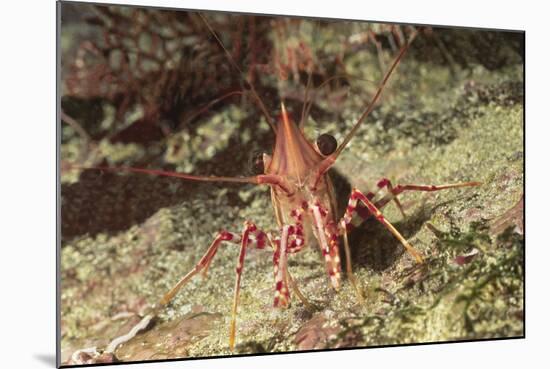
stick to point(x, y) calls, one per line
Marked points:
point(234, 64)
point(370, 107)
point(165, 173)
point(267, 179)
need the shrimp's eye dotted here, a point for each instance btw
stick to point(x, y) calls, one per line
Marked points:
point(327, 144)
point(258, 163)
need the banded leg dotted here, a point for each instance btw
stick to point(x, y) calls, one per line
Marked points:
point(349, 271)
point(295, 243)
point(356, 196)
point(398, 189)
point(384, 182)
point(364, 213)
point(392, 195)
point(327, 235)
point(258, 237)
point(299, 293)
point(249, 227)
point(282, 295)
point(202, 265)
point(291, 241)
point(393, 191)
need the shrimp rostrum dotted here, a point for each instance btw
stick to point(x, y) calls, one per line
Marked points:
point(304, 203)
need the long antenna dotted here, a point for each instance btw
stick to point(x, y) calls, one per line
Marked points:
point(370, 107)
point(261, 179)
point(248, 83)
point(332, 78)
point(165, 173)
point(308, 85)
